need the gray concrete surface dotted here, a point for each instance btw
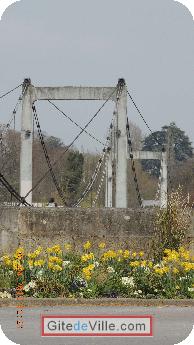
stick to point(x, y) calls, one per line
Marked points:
point(171, 325)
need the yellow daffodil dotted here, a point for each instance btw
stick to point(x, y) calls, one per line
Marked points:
point(39, 263)
point(67, 246)
point(54, 267)
point(86, 257)
point(55, 259)
point(135, 264)
point(175, 270)
point(126, 254)
point(102, 245)
point(7, 260)
point(87, 245)
point(17, 266)
point(19, 253)
point(110, 254)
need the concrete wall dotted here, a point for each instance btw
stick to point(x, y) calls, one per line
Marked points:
point(44, 226)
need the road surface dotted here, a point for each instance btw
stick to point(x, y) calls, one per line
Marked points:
point(171, 325)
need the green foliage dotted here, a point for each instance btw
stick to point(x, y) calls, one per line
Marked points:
point(73, 174)
point(172, 224)
point(156, 141)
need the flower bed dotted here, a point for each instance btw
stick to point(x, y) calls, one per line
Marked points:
point(96, 273)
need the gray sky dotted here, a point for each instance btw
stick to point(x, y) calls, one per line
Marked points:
point(55, 43)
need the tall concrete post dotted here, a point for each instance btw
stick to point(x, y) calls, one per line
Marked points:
point(26, 143)
point(122, 152)
point(108, 196)
point(164, 181)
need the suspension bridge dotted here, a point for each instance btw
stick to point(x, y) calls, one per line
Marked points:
point(117, 152)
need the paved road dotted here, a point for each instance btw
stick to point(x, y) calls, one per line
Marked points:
point(171, 325)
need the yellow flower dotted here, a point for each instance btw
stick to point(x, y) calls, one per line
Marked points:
point(49, 250)
point(55, 259)
point(39, 263)
point(91, 267)
point(175, 270)
point(54, 267)
point(67, 246)
point(84, 258)
point(36, 253)
point(150, 264)
point(126, 254)
point(134, 254)
point(166, 269)
point(87, 245)
point(110, 254)
point(141, 254)
point(17, 266)
point(188, 266)
point(102, 245)
point(87, 257)
point(19, 253)
point(167, 251)
point(143, 263)
point(119, 252)
point(57, 268)
point(55, 249)
point(135, 264)
point(159, 271)
point(87, 275)
point(7, 260)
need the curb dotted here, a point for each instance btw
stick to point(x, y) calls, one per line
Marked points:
point(109, 302)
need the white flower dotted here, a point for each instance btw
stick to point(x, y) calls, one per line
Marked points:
point(139, 291)
point(39, 273)
point(190, 289)
point(26, 288)
point(96, 264)
point(32, 284)
point(65, 263)
point(155, 290)
point(110, 269)
point(5, 294)
point(136, 293)
point(128, 281)
point(146, 269)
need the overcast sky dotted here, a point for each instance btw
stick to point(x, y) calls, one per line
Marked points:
point(148, 42)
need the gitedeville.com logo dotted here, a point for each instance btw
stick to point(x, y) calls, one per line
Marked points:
point(96, 326)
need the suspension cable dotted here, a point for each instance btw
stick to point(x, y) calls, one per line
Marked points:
point(14, 112)
point(13, 115)
point(101, 181)
point(12, 191)
point(93, 178)
point(140, 113)
point(75, 123)
point(10, 91)
point(130, 149)
point(71, 144)
point(41, 138)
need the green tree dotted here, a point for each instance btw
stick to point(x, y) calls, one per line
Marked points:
point(73, 174)
point(180, 144)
